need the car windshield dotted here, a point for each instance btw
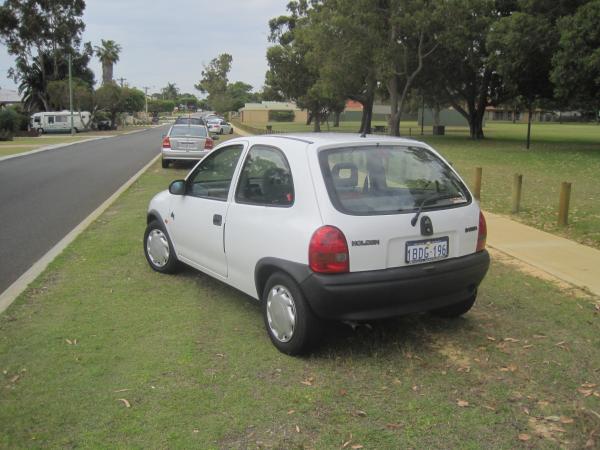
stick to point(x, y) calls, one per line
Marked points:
point(187, 130)
point(189, 120)
point(389, 179)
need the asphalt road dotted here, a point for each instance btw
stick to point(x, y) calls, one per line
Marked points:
point(45, 195)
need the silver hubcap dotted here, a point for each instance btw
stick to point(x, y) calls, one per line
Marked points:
point(281, 313)
point(157, 247)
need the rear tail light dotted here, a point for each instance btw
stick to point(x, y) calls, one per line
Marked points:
point(482, 233)
point(328, 251)
point(166, 142)
point(208, 144)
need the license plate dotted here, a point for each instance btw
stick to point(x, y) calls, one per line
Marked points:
point(426, 250)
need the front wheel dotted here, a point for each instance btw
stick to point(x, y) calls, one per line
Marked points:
point(40, 131)
point(231, 130)
point(291, 324)
point(221, 131)
point(457, 309)
point(159, 249)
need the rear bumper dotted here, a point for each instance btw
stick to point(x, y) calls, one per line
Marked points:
point(184, 155)
point(391, 292)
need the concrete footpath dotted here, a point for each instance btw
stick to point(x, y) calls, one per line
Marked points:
point(565, 259)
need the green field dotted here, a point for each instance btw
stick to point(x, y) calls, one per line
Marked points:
point(559, 152)
point(103, 352)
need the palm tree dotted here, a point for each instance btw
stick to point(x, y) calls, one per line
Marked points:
point(32, 86)
point(170, 91)
point(108, 54)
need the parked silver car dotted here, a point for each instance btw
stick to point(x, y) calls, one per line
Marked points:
point(186, 142)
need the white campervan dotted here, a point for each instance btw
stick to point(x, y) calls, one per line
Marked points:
point(56, 121)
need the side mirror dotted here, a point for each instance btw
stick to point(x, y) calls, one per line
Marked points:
point(177, 187)
point(215, 137)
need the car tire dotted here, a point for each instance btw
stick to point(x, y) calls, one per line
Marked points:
point(158, 248)
point(231, 130)
point(221, 131)
point(40, 131)
point(457, 309)
point(292, 326)
point(165, 163)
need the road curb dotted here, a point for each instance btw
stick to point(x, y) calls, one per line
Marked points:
point(67, 144)
point(17, 287)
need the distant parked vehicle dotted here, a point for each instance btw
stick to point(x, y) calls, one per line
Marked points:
point(219, 126)
point(57, 121)
point(103, 125)
point(185, 142)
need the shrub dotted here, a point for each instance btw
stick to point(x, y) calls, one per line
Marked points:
point(9, 123)
point(281, 116)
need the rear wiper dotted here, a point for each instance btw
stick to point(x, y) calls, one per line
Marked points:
point(430, 198)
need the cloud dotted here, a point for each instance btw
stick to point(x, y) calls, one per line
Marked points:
point(169, 41)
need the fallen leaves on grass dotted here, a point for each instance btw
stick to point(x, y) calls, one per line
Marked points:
point(125, 402)
point(71, 341)
point(297, 429)
point(291, 411)
point(393, 426)
point(524, 437)
point(509, 368)
point(308, 382)
point(359, 413)
point(462, 403)
point(509, 339)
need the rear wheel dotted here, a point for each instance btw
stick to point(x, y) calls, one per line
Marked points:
point(221, 131)
point(457, 309)
point(231, 130)
point(165, 163)
point(291, 324)
point(159, 249)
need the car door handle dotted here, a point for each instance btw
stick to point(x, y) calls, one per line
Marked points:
point(217, 220)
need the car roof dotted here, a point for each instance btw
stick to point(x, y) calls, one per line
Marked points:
point(321, 139)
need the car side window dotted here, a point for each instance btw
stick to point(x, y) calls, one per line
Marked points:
point(266, 178)
point(212, 178)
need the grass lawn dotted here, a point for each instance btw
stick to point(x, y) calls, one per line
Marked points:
point(26, 144)
point(559, 152)
point(103, 352)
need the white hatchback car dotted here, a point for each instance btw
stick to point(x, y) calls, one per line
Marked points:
point(325, 226)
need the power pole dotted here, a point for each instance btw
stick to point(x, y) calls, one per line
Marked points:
point(121, 81)
point(146, 98)
point(71, 95)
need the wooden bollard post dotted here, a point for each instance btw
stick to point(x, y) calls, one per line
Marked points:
point(410, 131)
point(477, 188)
point(516, 193)
point(563, 204)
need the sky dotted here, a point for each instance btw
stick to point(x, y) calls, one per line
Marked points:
point(169, 41)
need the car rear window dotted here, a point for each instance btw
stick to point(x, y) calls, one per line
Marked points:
point(389, 179)
point(188, 131)
point(189, 120)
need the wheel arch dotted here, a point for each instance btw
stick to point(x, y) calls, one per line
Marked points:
point(153, 215)
point(266, 267)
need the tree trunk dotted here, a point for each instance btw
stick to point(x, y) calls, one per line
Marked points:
point(336, 119)
point(436, 115)
point(107, 73)
point(309, 117)
point(316, 121)
point(530, 109)
point(394, 120)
